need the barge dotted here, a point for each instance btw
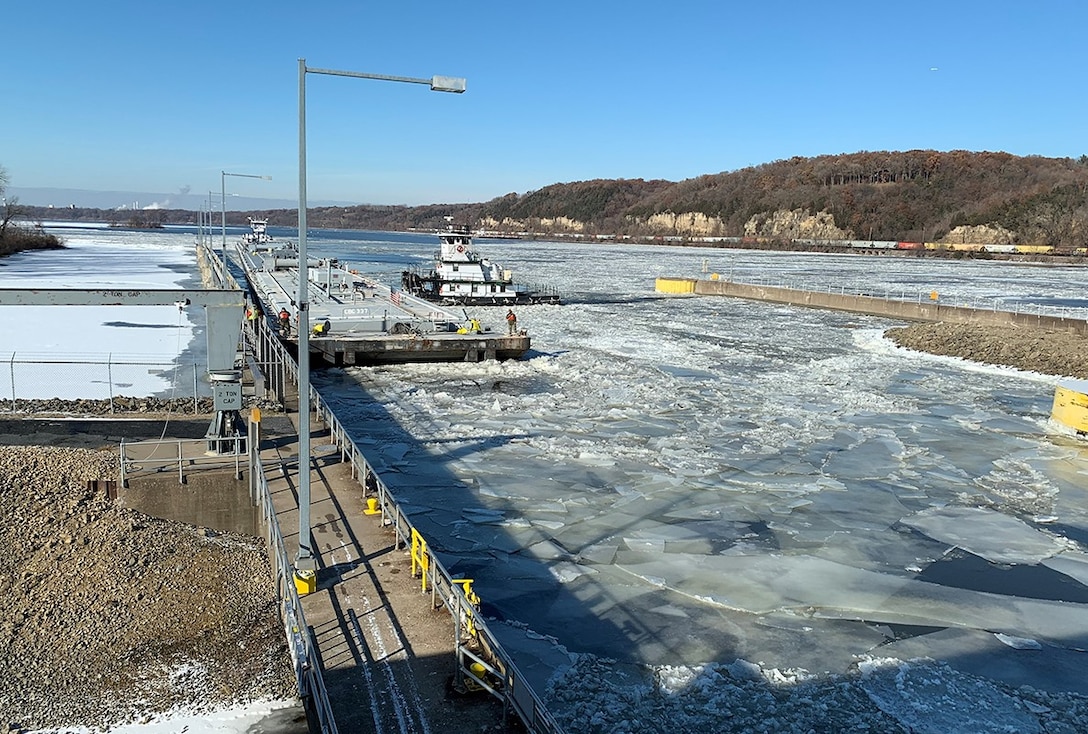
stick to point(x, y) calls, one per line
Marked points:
point(356, 320)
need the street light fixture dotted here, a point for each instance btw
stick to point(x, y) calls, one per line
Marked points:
point(305, 561)
point(223, 204)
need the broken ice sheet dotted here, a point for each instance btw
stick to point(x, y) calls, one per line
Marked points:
point(997, 538)
point(764, 584)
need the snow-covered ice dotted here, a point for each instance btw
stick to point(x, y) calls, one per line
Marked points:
point(77, 351)
point(140, 343)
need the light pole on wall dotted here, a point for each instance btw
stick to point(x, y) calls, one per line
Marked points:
point(305, 561)
point(223, 205)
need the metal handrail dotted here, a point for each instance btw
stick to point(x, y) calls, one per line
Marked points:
point(509, 685)
point(514, 690)
point(178, 458)
point(307, 664)
point(888, 294)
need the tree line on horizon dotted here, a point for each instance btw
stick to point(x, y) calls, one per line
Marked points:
point(914, 195)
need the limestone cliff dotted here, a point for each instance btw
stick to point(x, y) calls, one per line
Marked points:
point(687, 224)
point(797, 224)
point(534, 224)
point(986, 234)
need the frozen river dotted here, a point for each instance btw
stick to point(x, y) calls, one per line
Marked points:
point(667, 486)
point(713, 513)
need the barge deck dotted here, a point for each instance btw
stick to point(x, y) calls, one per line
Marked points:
point(367, 322)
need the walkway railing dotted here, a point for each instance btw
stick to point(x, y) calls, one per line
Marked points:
point(481, 660)
point(492, 670)
point(307, 664)
point(148, 456)
point(978, 303)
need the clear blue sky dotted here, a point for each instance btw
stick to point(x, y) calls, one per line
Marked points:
point(160, 97)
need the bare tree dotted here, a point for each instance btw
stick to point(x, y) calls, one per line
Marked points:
point(10, 208)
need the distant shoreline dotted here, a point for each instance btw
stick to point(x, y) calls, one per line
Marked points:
point(1024, 253)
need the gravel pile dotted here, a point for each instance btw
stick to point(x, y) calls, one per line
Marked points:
point(124, 405)
point(108, 615)
point(1046, 351)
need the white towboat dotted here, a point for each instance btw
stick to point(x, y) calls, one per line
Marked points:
point(461, 276)
point(258, 234)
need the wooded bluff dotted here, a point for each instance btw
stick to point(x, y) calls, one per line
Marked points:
point(918, 195)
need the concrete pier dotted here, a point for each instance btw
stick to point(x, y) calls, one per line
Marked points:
point(929, 311)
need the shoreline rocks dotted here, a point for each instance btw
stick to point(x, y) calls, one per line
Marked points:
point(108, 614)
point(1046, 351)
point(123, 405)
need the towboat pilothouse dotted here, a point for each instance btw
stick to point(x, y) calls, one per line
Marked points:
point(462, 277)
point(257, 234)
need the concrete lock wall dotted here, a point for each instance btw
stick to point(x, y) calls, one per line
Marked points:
point(931, 311)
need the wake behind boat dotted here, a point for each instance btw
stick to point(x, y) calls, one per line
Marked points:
point(461, 276)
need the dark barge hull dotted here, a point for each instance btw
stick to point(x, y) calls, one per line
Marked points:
point(395, 349)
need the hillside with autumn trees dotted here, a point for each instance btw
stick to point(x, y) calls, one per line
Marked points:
point(919, 195)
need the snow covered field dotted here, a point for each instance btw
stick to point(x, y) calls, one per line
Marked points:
point(700, 512)
point(77, 351)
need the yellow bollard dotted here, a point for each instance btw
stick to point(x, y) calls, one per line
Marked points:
point(255, 424)
point(305, 582)
point(372, 506)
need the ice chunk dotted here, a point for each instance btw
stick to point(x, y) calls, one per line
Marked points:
point(997, 538)
point(1018, 643)
point(565, 572)
point(933, 699)
point(765, 584)
point(1074, 565)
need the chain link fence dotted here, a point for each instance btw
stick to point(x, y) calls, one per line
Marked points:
point(31, 376)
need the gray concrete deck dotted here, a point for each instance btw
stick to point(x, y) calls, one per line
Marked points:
point(388, 655)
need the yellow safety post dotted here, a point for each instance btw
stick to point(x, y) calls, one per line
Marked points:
point(479, 670)
point(420, 559)
point(473, 600)
point(933, 296)
point(372, 506)
point(255, 419)
point(466, 586)
point(305, 582)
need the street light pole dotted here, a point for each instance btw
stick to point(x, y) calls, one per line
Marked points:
point(209, 230)
point(305, 562)
point(223, 204)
